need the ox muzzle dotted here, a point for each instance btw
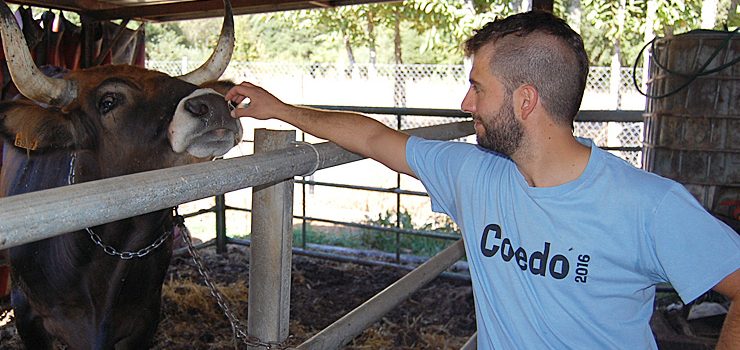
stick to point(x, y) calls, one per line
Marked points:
point(202, 125)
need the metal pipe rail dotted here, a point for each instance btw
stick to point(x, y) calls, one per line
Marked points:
point(38, 215)
point(414, 232)
point(395, 190)
point(583, 116)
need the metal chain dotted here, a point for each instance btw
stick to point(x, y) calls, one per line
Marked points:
point(99, 242)
point(128, 255)
point(5, 313)
point(240, 330)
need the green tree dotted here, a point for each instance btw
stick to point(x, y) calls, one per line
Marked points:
point(165, 42)
point(425, 31)
point(606, 32)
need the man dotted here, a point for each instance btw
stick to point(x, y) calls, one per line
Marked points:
point(565, 242)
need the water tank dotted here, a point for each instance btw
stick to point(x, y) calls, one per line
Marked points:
point(692, 135)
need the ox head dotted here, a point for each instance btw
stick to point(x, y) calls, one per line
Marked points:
point(130, 118)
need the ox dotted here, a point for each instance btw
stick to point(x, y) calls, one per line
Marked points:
point(91, 124)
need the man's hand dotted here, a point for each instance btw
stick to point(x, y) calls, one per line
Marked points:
point(352, 131)
point(261, 104)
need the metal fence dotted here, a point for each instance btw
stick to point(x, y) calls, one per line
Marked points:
point(44, 214)
point(354, 196)
point(426, 86)
point(599, 78)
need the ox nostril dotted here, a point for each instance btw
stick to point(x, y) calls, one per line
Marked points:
point(198, 107)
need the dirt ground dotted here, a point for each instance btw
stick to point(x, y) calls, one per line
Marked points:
point(440, 316)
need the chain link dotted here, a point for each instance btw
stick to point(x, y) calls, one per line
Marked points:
point(238, 327)
point(99, 242)
point(5, 313)
point(128, 255)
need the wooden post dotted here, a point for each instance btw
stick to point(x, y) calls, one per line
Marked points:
point(272, 241)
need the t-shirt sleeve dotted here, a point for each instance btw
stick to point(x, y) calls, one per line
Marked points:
point(694, 250)
point(437, 164)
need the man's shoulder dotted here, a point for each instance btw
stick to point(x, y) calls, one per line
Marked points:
point(448, 148)
point(630, 180)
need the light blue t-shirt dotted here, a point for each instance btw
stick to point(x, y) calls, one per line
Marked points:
point(572, 266)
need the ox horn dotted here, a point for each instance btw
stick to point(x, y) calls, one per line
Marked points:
point(29, 80)
point(219, 60)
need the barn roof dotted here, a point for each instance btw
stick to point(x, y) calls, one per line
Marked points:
point(171, 10)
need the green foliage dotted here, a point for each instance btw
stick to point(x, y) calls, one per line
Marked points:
point(733, 18)
point(381, 240)
point(320, 235)
point(430, 31)
point(165, 41)
point(409, 244)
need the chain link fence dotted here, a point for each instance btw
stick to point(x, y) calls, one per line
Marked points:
point(364, 85)
point(423, 86)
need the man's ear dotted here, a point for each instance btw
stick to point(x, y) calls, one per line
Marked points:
point(30, 126)
point(526, 98)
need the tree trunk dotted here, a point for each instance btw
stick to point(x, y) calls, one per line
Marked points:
point(350, 52)
point(371, 37)
point(650, 18)
point(350, 56)
point(616, 65)
point(399, 78)
point(573, 15)
point(397, 37)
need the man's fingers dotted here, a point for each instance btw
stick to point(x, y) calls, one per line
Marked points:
point(239, 91)
point(240, 112)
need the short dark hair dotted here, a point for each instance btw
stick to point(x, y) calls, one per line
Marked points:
point(558, 70)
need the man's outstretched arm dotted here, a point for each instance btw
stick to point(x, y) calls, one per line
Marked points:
point(730, 336)
point(351, 131)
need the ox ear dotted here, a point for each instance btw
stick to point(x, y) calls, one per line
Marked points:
point(33, 127)
point(220, 86)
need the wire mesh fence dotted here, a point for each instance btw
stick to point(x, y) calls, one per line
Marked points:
point(295, 82)
point(412, 86)
point(424, 86)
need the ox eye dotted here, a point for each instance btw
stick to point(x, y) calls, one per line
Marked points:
point(107, 103)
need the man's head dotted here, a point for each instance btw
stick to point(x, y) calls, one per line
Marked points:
point(538, 49)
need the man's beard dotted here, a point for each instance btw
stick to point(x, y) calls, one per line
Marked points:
point(502, 132)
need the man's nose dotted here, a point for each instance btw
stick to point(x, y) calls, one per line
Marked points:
point(468, 103)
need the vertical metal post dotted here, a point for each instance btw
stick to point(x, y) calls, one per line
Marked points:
point(304, 225)
point(221, 238)
point(272, 240)
point(398, 202)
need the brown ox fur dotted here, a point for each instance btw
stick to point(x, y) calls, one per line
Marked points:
point(66, 287)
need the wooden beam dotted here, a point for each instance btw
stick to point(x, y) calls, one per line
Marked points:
point(212, 8)
point(67, 5)
point(323, 4)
